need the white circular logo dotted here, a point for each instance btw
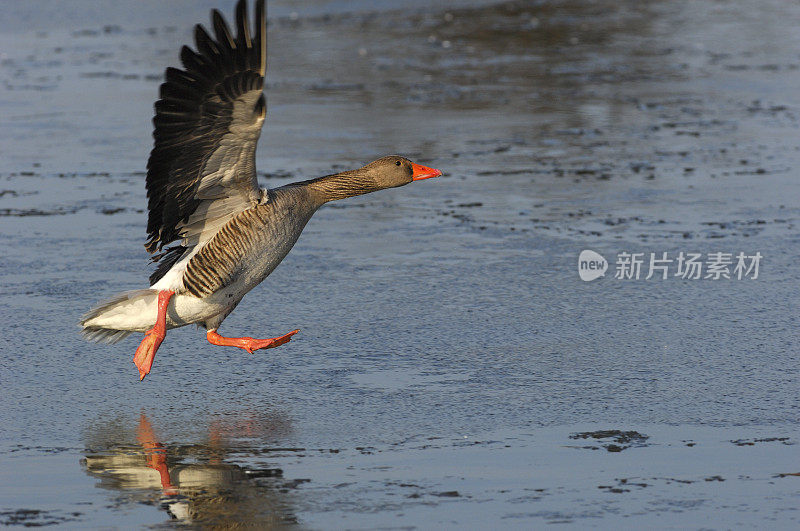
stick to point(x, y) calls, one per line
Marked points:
point(591, 265)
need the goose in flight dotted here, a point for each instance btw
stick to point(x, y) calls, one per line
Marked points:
point(213, 232)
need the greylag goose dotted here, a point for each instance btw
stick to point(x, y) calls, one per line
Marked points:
point(203, 196)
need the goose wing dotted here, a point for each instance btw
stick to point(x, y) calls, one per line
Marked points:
point(208, 119)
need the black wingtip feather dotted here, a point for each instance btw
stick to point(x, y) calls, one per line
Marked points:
point(243, 25)
point(261, 39)
point(206, 45)
point(221, 30)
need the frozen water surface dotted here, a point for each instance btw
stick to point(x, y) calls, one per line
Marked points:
point(452, 369)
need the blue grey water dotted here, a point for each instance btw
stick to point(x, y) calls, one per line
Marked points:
point(452, 369)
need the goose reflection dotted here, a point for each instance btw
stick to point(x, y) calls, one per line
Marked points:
point(194, 483)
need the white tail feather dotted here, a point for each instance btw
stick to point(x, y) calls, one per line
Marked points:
point(104, 335)
point(112, 320)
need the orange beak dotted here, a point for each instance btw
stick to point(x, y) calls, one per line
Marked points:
point(423, 172)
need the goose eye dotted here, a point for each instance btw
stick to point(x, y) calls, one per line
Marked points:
point(397, 163)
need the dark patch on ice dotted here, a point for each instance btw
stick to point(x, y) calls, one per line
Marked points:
point(25, 212)
point(277, 174)
point(36, 518)
point(752, 442)
point(613, 440)
point(292, 484)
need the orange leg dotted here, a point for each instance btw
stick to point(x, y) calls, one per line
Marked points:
point(156, 454)
point(248, 343)
point(143, 359)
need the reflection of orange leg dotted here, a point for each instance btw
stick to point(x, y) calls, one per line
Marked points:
point(215, 441)
point(156, 454)
point(143, 359)
point(248, 343)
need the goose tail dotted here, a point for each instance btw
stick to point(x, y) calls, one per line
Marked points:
point(114, 319)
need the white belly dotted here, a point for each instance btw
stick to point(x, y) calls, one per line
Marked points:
point(187, 309)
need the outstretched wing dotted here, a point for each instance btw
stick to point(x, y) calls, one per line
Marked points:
point(201, 171)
